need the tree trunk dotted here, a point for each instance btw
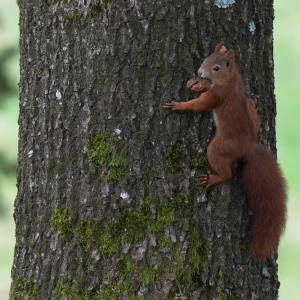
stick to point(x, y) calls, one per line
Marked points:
point(108, 203)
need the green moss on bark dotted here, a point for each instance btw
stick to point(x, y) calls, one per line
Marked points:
point(85, 235)
point(70, 290)
point(22, 290)
point(225, 295)
point(95, 9)
point(103, 153)
point(132, 227)
point(60, 222)
point(177, 157)
point(131, 230)
point(175, 154)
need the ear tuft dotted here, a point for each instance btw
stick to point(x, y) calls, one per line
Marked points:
point(220, 48)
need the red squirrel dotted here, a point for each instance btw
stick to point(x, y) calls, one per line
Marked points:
point(236, 138)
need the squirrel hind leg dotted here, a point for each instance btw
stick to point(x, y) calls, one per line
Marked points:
point(220, 162)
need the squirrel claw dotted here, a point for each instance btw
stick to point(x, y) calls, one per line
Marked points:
point(171, 105)
point(205, 180)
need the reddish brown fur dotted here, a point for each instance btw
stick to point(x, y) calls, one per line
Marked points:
point(236, 137)
point(265, 187)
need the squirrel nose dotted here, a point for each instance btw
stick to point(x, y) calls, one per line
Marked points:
point(200, 73)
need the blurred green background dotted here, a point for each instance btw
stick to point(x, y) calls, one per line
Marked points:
point(287, 76)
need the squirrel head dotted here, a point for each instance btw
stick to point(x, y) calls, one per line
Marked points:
point(218, 66)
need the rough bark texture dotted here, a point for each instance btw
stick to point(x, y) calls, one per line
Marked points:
point(108, 205)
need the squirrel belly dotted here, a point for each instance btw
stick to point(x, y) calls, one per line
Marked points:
point(222, 91)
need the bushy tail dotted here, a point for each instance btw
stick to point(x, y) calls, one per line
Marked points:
point(265, 189)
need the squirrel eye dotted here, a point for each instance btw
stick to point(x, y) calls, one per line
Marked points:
point(216, 68)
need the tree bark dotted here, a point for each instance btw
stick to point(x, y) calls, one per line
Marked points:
point(108, 203)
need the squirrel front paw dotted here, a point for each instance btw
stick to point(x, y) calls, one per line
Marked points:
point(172, 105)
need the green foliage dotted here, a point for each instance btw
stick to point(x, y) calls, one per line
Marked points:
point(7, 83)
point(103, 152)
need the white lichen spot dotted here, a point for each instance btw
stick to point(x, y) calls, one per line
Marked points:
point(252, 27)
point(97, 51)
point(124, 195)
point(265, 272)
point(58, 95)
point(64, 48)
point(126, 248)
point(118, 132)
point(145, 24)
point(66, 61)
point(105, 189)
point(95, 255)
point(224, 3)
point(30, 153)
point(151, 111)
point(54, 241)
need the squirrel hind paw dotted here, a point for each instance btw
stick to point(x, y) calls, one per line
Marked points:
point(205, 180)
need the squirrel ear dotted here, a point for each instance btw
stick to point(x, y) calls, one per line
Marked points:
point(220, 48)
point(229, 55)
